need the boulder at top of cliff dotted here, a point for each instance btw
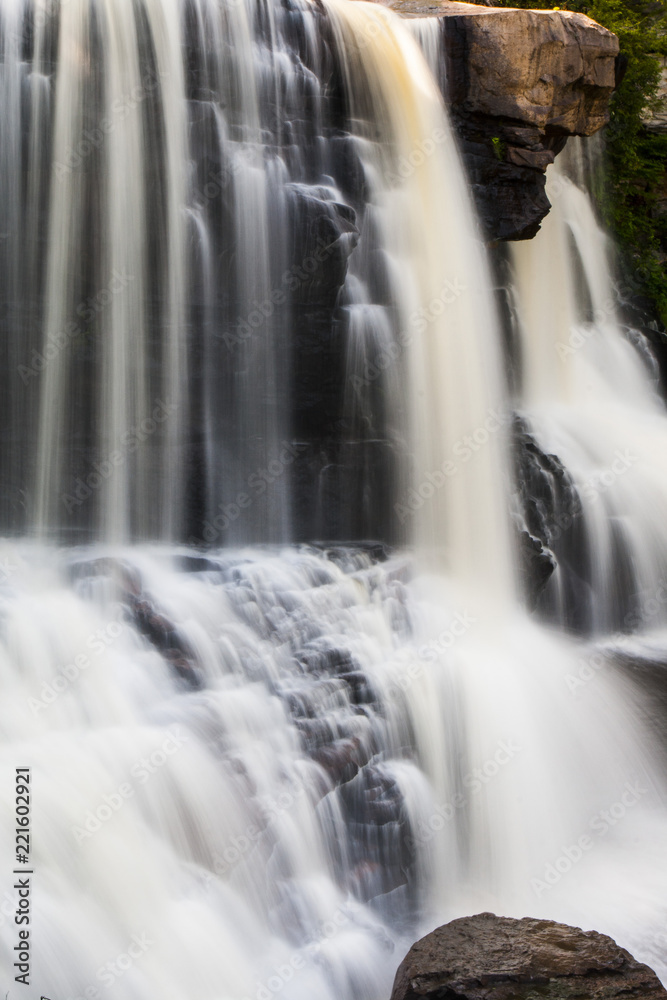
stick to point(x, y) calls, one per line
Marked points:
point(554, 69)
point(518, 83)
point(497, 958)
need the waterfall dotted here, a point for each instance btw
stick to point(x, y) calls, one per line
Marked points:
point(428, 32)
point(249, 336)
point(445, 309)
point(179, 334)
point(590, 393)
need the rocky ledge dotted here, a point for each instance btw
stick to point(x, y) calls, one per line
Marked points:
point(496, 958)
point(518, 83)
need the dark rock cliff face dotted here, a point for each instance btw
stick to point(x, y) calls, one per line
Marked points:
point(518, 82)
point(496, 958)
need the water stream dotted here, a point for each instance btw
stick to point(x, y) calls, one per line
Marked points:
point(247, 324)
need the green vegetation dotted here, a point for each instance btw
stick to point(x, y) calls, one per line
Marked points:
point(498, 147)
point(633, 193)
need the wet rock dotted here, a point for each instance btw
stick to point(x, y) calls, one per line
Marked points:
point(347, 168)
point(644, 662)
point(355, 555)
point(558, 541)
point(315, 733)
point(189, 563)
point(380, 842)
point(496, 958)
point(377, 799)
point(316, 699)
point(553, 537)
point(160, 631)
point(343, 487)
point(342, 759)
point(320, 656)
point(362, 691)
point(537, 564)
point(164, 636)
point(518, 83)
point(324, 234)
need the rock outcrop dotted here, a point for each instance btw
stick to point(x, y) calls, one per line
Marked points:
point(518, 83)
point(496, 958)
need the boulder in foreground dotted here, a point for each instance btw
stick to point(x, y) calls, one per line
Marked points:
point(496, 958)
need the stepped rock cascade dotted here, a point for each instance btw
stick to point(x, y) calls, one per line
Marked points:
point(275, 770)
point(245, 309)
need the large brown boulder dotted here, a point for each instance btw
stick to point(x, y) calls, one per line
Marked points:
point(518, 83)
point(496, 958)
point(553, 69)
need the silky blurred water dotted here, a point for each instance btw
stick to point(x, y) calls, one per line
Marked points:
point(260, 768)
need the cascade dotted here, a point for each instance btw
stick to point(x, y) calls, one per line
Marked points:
point(246, 317)
point(589, 391)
